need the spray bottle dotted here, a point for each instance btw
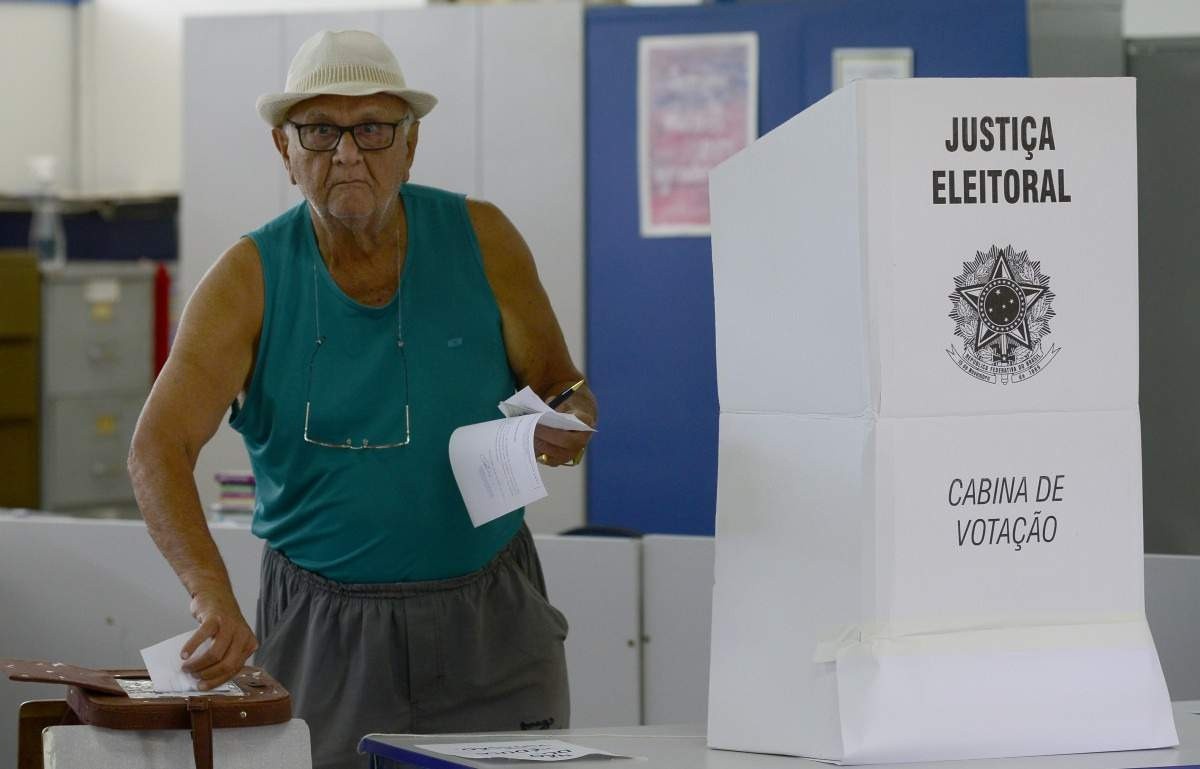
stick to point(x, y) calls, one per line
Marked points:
point(46, 236)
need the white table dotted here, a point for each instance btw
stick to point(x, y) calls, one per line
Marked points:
point(683, 747)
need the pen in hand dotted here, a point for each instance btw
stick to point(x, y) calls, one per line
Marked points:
point(561, 398)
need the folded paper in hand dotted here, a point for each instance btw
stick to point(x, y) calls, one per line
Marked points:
point(527, 402)
point(494, 462)
point(165, 666)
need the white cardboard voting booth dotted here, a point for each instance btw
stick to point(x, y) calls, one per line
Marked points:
point(929, 528)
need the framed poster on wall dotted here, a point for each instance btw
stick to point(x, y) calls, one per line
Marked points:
point(697, 106)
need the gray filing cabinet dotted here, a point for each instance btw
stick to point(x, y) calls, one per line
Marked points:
point(97, 356)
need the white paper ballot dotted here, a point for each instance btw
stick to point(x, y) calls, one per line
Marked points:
point(166, 667)
point(494, 462)
point(527, 402)
point(495, 468)
point(521, 750)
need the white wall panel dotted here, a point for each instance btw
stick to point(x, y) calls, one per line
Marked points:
point(595, 582)
point(37, 90)
point(531, 93)
point(677, 586)
point(532, 135)
point(438, 49)
point(129, 63)
point(1160, 18)
point(298, 27)
point(233, 179)
point(95, 592)
point(231, 169)
point(129, 96)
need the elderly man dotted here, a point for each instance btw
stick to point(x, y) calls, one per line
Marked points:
point(352, 334)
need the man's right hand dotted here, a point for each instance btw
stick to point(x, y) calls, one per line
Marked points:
point(220, 619)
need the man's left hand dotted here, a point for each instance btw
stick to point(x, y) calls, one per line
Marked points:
point(564, 447)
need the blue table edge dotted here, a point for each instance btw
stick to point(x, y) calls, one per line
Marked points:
point(408, 755)
point(412, 756)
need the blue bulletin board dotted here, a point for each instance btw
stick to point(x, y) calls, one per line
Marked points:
point(653, 465)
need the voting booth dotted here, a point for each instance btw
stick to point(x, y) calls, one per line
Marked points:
point(929, 524)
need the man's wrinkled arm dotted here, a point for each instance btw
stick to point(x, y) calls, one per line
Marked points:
point(209, 364)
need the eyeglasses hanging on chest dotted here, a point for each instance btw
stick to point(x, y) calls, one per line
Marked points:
point(368, 439)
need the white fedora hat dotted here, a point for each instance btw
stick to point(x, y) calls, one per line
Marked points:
point(349, 63)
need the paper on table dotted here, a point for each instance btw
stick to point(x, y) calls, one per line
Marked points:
point(520, 750)
point(166, 667)
point(494, 462)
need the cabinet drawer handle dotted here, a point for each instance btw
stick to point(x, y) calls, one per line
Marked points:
point(99, 353)
point(103, 470)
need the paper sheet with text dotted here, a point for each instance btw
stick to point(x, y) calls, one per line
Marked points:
point(520, 750)
point(494, 462)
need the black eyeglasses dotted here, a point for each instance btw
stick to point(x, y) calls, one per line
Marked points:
point(325, 137)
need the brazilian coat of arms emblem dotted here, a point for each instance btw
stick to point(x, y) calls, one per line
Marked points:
point(1001, 311)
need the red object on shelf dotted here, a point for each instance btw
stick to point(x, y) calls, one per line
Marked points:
point(162, 317)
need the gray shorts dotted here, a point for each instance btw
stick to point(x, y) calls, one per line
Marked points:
point(481, 652)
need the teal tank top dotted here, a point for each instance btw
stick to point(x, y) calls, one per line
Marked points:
point(380, 515)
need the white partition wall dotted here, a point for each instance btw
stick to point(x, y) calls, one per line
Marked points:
point(677, 576)
point(595, 581)
point(531, 165)
point(508, 128)
point(39, 108)
point(232, 178)
point(439, 50)
point(95, 592)
point(845, 607)
point(231, 173)
point(677, 582)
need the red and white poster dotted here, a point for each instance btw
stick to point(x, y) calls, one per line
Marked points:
point(697, 106)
